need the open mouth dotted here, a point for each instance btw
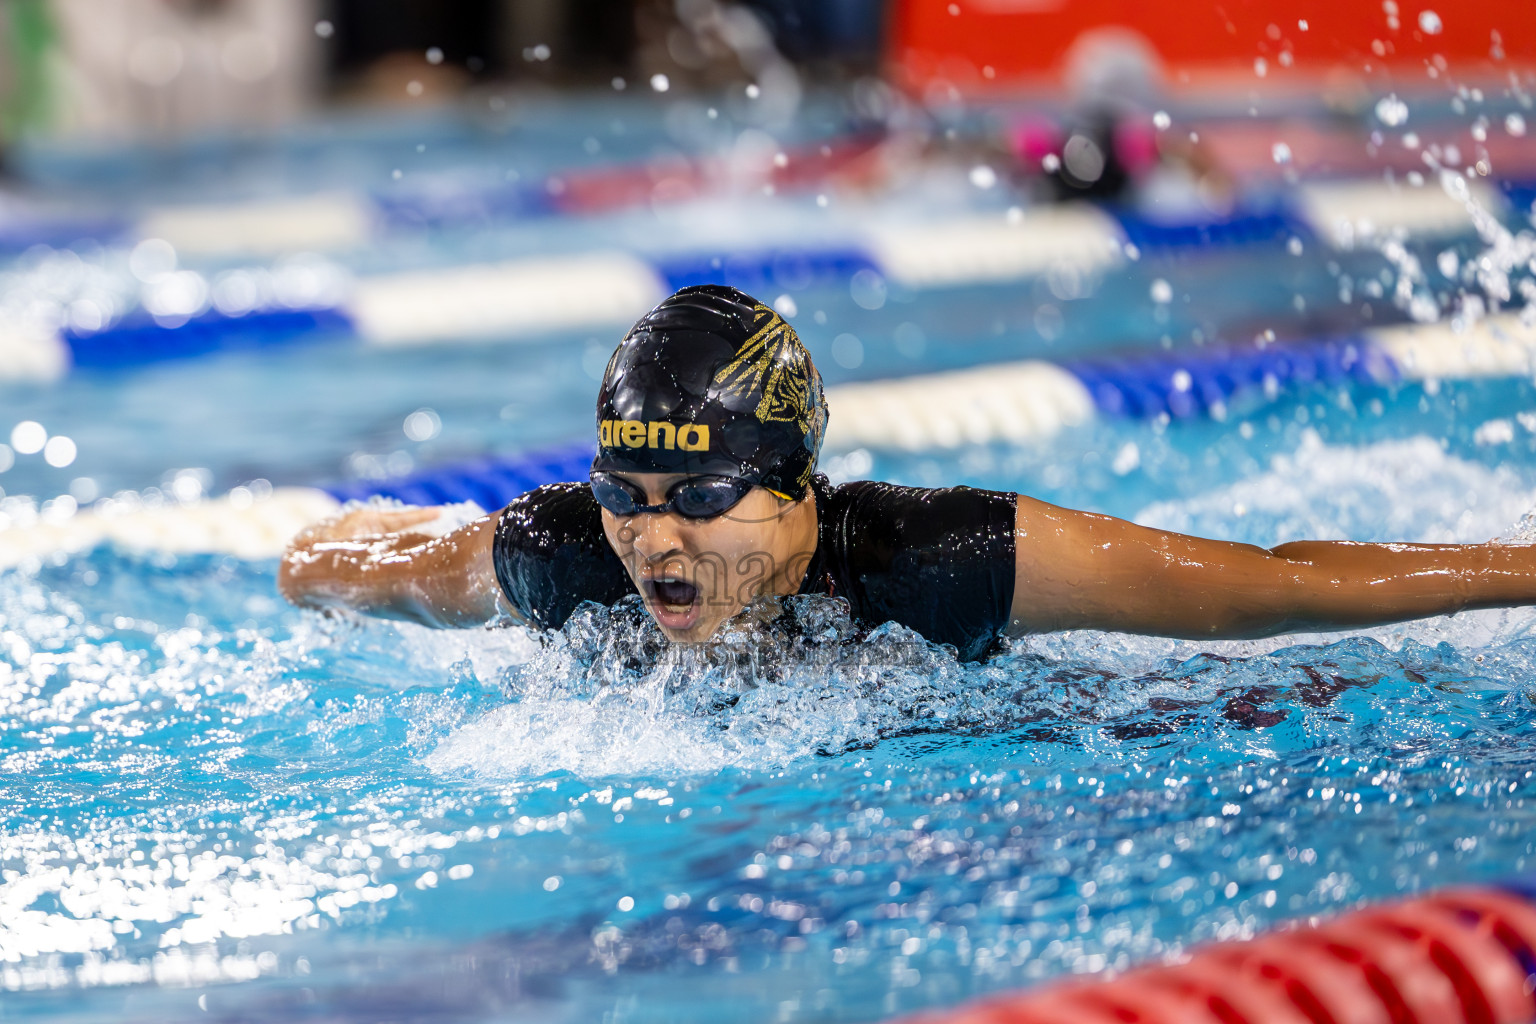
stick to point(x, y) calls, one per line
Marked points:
point(674, 604)
point(674, 593)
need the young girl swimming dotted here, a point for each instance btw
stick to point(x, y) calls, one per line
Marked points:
point(704, 497)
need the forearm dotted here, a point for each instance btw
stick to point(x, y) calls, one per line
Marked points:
point(1320, 586)
point(436, 581)
point(1345, 584)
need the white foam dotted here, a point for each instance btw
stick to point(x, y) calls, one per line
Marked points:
point(290, 224)
point(260, 529)
point(598, 289)
point(1407, 490)
point(1016, 402)
point(1496, 346)
point(977, 250)
point(1344, 212)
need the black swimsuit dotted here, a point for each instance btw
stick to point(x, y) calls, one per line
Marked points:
point(938, 560)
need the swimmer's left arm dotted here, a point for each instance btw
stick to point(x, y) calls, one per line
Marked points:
point(1077, 570)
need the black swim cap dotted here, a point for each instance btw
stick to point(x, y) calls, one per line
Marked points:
point(712, 381)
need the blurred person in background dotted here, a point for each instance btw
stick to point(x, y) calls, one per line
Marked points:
point(163, 68)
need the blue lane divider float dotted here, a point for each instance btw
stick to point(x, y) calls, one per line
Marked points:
point(1244, 226)
point(139, 339)
point(774, 270)
point(489, 482)
point(1521, 195)
point(1204, 382)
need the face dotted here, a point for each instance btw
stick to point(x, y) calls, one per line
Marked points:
point(693, 574)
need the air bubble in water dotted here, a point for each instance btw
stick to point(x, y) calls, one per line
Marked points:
point(1429, 22)
point(1162, 292)
point(1260, 66)
point(1449, 263)
point(1161, 120)
point(660, 82)
point(1282, 153)
point(1391, 111)
point(983, 176)
point(1515, 125)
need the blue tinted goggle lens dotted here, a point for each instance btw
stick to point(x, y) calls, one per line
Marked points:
point(702, 497)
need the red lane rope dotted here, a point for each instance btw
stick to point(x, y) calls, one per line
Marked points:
point(1461, 956)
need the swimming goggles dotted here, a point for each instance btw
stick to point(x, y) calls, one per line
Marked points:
point(697, 497)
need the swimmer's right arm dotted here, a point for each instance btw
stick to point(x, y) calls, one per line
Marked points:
point(371, 560)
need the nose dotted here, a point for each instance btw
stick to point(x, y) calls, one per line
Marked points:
point(654, 535)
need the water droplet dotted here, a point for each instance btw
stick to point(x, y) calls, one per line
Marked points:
point(1429, 21)
point(1294, 247)
point(1302, 24)
point(28, 437)
point(1281, 152)
point(1391, 111)
point(1162, 292)
point(660, 82)
point(59, 451)
point(1260, 66)
point(1161, 120)
point(1050, 163)
point(753, 92)
point(1449, 263)
point(983, 176)
point(422, 425)
point(1515, 125)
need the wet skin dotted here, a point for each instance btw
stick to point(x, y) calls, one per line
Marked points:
point(693, 574)
point(1074, 570)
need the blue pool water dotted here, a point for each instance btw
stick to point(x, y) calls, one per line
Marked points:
point(217, 805)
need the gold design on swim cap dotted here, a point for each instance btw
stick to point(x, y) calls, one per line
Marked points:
point(774, 360)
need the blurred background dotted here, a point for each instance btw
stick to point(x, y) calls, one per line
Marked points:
point(336, 242)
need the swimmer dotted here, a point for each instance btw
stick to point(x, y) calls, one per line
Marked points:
point(704, 496)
